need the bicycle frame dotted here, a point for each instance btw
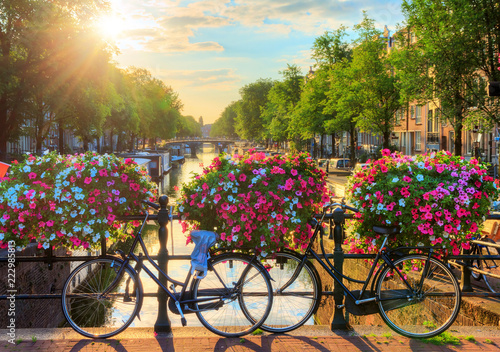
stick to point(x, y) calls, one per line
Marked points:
point(139, 266)
point(383, 254)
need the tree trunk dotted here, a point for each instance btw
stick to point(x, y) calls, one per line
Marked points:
point(387, 139)
point(458, 138)
point(111, 150)
point(334, 146)
point(60, 137)
point(353, 143)
point(322, 146)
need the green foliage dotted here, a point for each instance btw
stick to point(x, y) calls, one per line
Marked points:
point(225, 125)
point(443, 61)
point(282, 99)
point(444, 338)
point(249, 120)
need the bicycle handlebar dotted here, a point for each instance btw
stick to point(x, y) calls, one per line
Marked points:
point(151, 204)
point(333, 205)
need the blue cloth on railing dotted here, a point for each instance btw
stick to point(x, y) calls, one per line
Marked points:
point(203, 240)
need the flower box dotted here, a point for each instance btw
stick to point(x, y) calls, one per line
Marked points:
point(436, 199)
point(71, 200)
point(256, 203)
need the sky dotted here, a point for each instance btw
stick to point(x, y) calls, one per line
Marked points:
point(207, 50)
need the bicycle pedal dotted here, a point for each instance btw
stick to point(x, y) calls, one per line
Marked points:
point(183, 321)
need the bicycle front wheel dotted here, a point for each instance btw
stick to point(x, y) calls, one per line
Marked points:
point(93, 314)
point(294, 304)
point(415, 304)
point(233, 281)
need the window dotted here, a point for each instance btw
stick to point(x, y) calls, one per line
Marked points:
point(412, 112)
point(418, 140)
point(430, 124)
point(418, 114)
point(398, 117)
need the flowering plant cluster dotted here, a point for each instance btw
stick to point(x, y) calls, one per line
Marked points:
point(254, 202)
point(436, 199)
point(70, 200)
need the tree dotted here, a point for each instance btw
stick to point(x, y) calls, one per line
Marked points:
point(310, 116)
point(378, 83)
point(188, 127)
point(454, 48)
point(249, 121)
point(224, 126)
point(282, 99)
point(22, 24)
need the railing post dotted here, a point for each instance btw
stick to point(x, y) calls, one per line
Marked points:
point(465, 279)
point(162, 323)
point(338, 320)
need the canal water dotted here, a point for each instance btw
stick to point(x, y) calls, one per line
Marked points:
point(177, 269)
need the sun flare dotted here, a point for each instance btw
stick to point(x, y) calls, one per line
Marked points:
point(110, 26)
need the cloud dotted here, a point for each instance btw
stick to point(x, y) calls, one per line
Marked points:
point(174, 26)
point(222, 79)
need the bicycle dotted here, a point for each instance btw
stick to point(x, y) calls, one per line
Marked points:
point(101, 297)
point(403, 298)
point(481, 269)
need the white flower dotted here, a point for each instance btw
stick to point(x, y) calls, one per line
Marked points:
point(395, 179)
point(46, 245)
point(2, 236)
point(263, 254)
point(446, 234)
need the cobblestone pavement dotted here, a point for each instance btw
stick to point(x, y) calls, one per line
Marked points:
point(307, 338)
point(254, 343)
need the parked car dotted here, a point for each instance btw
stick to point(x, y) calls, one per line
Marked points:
point(343, 164)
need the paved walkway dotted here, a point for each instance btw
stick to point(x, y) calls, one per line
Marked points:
point(314, 338)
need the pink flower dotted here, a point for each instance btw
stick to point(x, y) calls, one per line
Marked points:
point(87, 180)
point(32, 175)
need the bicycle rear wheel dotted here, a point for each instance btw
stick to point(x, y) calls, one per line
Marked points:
point(488, 265)
point(294, 305)
point(233, 280)
point(92, 314)
point(415, 312)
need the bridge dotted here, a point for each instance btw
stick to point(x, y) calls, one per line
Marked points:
point(195, 143)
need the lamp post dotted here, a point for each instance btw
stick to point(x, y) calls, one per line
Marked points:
point(476, 139)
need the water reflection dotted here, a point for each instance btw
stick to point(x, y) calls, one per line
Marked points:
point(176, 244)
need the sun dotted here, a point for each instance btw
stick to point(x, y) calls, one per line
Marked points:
point(110, 26)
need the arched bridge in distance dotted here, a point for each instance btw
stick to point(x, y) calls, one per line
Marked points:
point(195, 143)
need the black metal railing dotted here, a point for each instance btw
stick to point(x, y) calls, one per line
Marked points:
point(163, 217)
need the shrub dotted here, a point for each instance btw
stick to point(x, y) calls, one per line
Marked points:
point(70, 200)
point(256, 203)
point(436, 199)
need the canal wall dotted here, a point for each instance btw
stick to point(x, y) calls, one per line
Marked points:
point(34, 278)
